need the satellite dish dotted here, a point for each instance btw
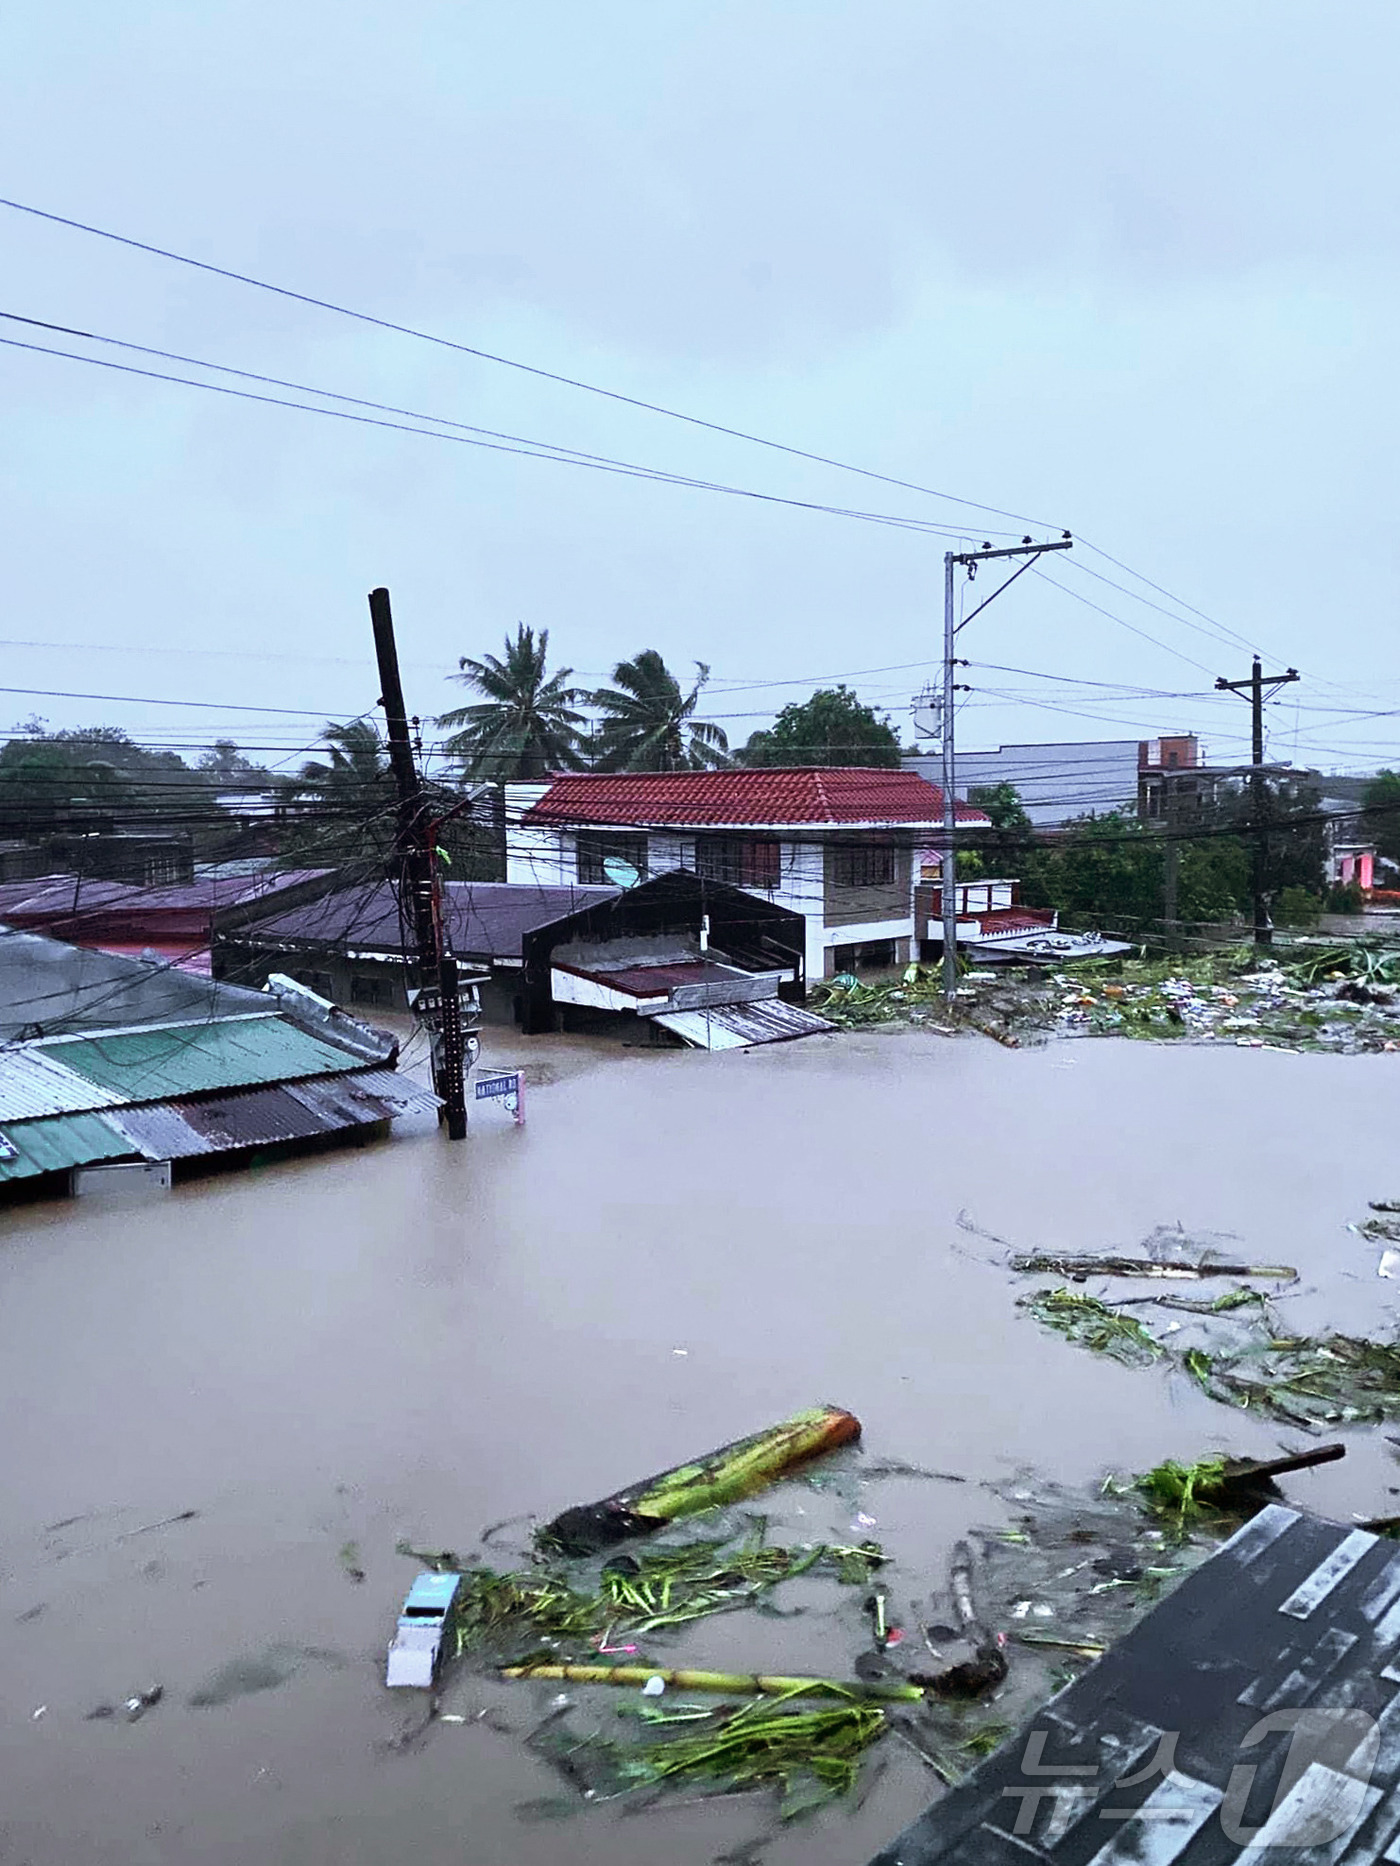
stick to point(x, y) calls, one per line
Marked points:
point(621, 874)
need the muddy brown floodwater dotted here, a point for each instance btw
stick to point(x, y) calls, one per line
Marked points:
point(416, 1339)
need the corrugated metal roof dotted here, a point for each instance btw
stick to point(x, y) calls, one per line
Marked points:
point(383, 1089)
point(757, 797)
point(34, 1083)
point(737, 1026)
point(187, 1059)
point(52, 1146)
point(261, 1117)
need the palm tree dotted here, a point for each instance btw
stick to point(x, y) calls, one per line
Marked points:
point(343, 804)
point(526, 726)
point(649, 724)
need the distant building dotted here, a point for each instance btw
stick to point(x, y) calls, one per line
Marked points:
point(1061, 781)
point(174, 923)
point(1055, 783)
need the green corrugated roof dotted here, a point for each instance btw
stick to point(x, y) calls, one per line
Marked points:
point(187, 1059)
point(58, 1142)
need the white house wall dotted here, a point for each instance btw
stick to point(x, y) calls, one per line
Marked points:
point(548, 856)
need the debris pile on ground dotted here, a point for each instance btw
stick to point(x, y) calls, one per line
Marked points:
point(1332, 998)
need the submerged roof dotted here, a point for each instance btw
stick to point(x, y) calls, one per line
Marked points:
point(55, 1145)
point(189, 1059)
point(853, 795)
point(185, 1128)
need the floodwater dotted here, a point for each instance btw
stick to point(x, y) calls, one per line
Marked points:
point(419, 1339)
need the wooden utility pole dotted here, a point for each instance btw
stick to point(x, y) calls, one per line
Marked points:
point(439, 1000)
point(948, 863)
point(1254, 685)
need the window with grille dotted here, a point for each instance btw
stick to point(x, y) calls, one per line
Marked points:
point(742, 861)
point(863, 865)
point(595, 848)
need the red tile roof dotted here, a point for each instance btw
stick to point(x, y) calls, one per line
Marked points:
point(742, 798)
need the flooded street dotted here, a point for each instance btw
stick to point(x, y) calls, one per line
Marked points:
point(420, 1340)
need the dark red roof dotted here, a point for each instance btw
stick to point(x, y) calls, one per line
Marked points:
point(1014, 920)
point(740, 798)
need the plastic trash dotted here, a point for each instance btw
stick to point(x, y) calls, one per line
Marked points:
point(654, 1686)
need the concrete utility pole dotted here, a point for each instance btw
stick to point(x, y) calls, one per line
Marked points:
point(948, 867)
point(1254, 686)
point(439, 1001)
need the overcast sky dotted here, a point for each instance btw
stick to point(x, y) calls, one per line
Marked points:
point(1126, 268)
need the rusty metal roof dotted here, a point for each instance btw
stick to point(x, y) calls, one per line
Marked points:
point(384, 1090)
point(261, 1117)
point(182, 1128)
point(485, 919)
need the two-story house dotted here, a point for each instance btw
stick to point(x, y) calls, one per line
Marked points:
point(837, 844)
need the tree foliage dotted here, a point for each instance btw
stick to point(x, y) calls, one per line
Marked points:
point(1110, 871)
point(526, 724)
point(1381, 803)
point(59, 783)
point(834, 727)
point(649, 724)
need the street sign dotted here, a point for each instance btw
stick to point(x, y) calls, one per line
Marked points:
point(509, 1088)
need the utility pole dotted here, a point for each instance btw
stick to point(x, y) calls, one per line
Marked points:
point(1254, 686)
point(1171, 859)
point(948, 866)
point(439, 1001)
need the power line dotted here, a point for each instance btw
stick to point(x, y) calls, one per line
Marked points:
point(612, 395)
point(145, 699)
point(531, 369)
point(599, 465)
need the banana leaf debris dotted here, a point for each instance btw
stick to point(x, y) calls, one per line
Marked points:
point(1343, 998)
point(1056, 1582)
point(574, 1613)
point(1221, 1488)
point(1239, 1351)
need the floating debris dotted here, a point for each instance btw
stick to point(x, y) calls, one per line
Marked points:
point(724, 1476)
point(1048, 1263)
point(810, 1756)
point(636, 1596)
point(1094, 1324)
point(1223, 1487)
point(1332, 999)
point(1305, 1381)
